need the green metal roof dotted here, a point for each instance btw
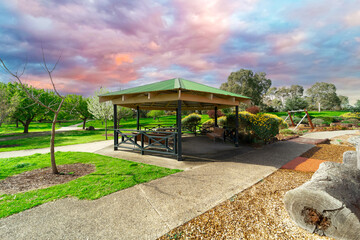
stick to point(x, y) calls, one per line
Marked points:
point(175, 83)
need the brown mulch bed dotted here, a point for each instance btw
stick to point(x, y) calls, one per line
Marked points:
point(42, 178)
point(328, 152)
point(258, 212)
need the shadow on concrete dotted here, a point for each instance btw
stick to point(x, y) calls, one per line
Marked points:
point(199, 150)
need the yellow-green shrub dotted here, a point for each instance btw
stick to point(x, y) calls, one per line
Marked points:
point(354, 115)
point(191, 121)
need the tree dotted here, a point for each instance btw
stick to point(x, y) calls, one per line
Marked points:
point(324, 95)
point(8, 102)
point(156, 114)
point(246, 83)
point(295, 103)
point(123, 112)
point(77, 106)
point(101, 111)
point(357, 106)
point(54, 107)
point(344, 102)
point(296, 91)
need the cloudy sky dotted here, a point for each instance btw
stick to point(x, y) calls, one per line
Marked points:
point(120, 44)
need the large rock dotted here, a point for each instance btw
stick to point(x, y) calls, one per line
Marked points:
point(351, 158)
point(329, 204)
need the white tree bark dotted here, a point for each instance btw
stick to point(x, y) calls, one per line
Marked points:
point(329, 204)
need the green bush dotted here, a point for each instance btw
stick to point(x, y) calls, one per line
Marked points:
point(263, 127)
point(222, 121)
point(353, 115)
point(156, 114)
point(318, 121)
point(287, 132)
point(191, 121)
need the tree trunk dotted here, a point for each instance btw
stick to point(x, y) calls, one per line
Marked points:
point(319, 107)
point(52, 146)
point(84, 123)
point(329, 204)
point(106, 129)
point(52, 140)
point(17, 123)
point(26, 126)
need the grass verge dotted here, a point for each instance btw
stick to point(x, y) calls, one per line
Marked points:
point(111, 175)
point(10, 128)
point(61, 139)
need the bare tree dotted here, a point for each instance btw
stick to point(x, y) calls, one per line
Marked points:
point(49, 107)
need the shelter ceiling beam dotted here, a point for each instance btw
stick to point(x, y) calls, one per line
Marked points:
point(215, 100)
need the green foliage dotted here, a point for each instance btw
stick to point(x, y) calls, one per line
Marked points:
point(208, 123)
point(76, 107)
point(295, 103)
point(222, 121)
point(262, 127)
point(156, 114)
point(191, 121)
point(246, 83)
point(318, 121)
point(354, 115)
point(287, 132)
point(111, 175)
point(325, 94)
point(8, 102)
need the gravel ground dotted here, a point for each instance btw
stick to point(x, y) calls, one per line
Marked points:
point(258, 212)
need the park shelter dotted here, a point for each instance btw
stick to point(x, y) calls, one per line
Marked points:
point(175, 94)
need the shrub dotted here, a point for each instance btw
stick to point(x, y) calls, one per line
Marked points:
point(211, 113)
point(170, 113)
point(318, 121)
point(222, 121)
point(208, 123)
point(253, 109)
point(287, 132)
point(191, 121)
point(262, 127)
point(354, 115)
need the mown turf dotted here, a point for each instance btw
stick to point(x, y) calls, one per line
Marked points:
point(314, 114)
point(61, 139)
point(131, 123)
point(111, 175)
point(10, 128)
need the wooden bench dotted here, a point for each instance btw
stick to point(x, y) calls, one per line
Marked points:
point(218, 133)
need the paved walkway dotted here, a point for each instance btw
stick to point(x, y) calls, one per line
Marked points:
point(329, 134)
point(149, 210)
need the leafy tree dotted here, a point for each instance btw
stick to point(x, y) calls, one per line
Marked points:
point(324, 95)
point(344, 102)
point(8, 102)
point(77, 106)
point(27, 110)
point(246, 83)
point(295, 103)
point(296, 91)
point(156, 114)
point(123, 113)
point(101, 111)
point(357, 106)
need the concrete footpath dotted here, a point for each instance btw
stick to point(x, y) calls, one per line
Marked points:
point(149, 210)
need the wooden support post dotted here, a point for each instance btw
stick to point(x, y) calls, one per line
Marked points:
point(137, 118)
point(310, 122)
point(237, 126)
point(215, 115)
point(178, 121)
point(116, 136)
point(292, 122)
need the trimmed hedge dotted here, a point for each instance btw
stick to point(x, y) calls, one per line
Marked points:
point(191, 121)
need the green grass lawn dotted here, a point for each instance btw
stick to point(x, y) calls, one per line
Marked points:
point(61, 139)
point(314, 114)
point(111, 175)
point(10, 128)
point(131, 123)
